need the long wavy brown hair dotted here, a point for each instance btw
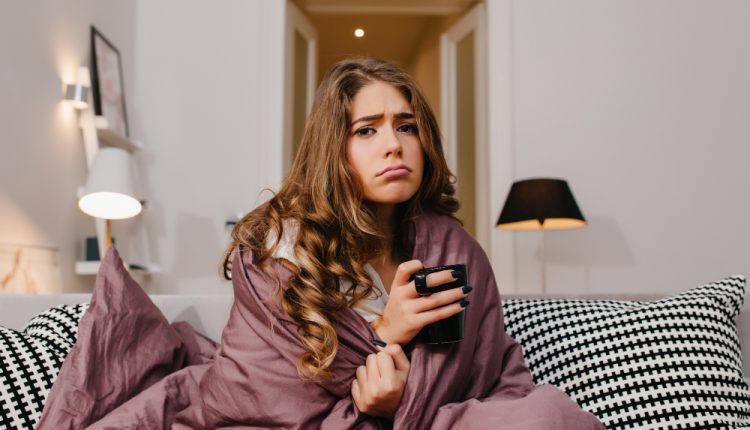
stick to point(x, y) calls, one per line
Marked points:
point(337, 230)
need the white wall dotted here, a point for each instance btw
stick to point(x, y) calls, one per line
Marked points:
point(209, 107)
point(203, 93)
point(639, 105)
point(42, 161)
point(643, 107)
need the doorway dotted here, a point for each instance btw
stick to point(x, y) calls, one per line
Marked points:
point(440, 43)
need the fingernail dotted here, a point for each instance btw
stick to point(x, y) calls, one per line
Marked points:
point(466, 289)
point(455, 274)
point(464, 303)
point(379, 343)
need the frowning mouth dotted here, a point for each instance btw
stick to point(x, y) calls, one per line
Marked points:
point(399, 169)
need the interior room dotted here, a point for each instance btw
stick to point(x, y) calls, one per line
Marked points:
point(640, 107)
point(599, 150)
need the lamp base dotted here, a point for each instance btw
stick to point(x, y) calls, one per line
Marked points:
point(543, 268)
point(107, 234)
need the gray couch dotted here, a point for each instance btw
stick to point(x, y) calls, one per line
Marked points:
point(208, 313)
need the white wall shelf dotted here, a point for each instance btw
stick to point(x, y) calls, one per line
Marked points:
point(108, 136)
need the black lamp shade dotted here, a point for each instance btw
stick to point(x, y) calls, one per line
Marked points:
point(541, 203)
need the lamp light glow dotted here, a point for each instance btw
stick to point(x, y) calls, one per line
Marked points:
point(359, 33)
point(109, 205)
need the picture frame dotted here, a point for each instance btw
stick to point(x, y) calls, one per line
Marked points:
point(108, 87)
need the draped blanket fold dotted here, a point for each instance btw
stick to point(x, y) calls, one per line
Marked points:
point(480, 382)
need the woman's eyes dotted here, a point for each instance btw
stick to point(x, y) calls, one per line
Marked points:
point(408, 128)
point(404, 128)
point(365, 131)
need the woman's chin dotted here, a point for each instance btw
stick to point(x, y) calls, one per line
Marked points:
point(390, 199)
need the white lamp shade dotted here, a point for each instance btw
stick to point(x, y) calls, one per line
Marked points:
point(108, 192)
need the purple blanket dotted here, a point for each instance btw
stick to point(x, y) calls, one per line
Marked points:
point(131, 369)
point(481, 382)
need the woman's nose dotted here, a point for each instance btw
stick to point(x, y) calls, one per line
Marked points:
point(392, 144)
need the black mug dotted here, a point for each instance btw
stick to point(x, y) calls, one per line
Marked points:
point(447, 330)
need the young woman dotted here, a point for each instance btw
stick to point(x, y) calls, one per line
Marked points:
point(323, 332)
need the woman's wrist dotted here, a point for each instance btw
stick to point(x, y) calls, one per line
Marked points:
point(379, 325)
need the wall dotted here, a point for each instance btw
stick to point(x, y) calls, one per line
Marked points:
point(42, 161)
point(639, 105)
point(203, 93)
point(209, 105)
point(642, 107)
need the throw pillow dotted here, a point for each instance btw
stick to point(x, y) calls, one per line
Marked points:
point(671, 363)
point(30, 361)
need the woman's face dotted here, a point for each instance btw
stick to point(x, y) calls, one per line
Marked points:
point(383, 135)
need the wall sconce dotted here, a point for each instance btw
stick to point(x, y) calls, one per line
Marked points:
point(108, 193)
point(78, 93)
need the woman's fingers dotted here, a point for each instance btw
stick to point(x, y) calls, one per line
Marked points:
point(386, 367)
point(404, 271)
point(356, 396)
point(373, 373)
point(437, 314)
point(433, 279)
point(436, 279)
point(362, 374)
point(438, 299)
point(400, 361)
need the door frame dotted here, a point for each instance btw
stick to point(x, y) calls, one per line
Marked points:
point(296, 21)
point(472, 21)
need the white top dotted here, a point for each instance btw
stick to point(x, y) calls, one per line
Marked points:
point(370, 307)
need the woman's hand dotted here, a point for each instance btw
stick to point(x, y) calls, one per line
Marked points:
point(379, 384)
point(406, 313)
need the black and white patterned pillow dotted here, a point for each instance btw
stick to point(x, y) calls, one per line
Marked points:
point(673, 363)
point(30, 361)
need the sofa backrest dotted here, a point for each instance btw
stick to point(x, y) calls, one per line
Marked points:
point(209, 313)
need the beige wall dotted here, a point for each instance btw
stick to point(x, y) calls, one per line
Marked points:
point(210, 94)
point(647, 126)
point(203, 93)
point(642, 107)
point(42, 160)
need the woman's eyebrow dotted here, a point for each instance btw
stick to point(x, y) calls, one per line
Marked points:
point(401, 115)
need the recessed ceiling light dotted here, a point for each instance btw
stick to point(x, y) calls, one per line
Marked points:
point(359, 32)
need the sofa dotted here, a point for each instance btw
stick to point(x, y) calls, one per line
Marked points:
point(643, 377)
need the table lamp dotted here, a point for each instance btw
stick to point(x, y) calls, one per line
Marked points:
point(108, 193)
point(540, 204)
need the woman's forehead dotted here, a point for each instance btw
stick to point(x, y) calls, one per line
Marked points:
point(379, 98)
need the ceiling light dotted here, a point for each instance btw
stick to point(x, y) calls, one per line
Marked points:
point(359, 32)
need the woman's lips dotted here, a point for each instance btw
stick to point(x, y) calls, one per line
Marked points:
point(402, 171)
point(394, 167)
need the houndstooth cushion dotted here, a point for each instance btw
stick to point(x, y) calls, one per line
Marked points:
point(29, 363)
point(673, 363)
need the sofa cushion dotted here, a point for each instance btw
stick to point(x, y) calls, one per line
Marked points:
point(30, 361)
point(669, 363)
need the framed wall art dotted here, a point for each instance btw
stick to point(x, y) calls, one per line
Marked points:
point(107, 83)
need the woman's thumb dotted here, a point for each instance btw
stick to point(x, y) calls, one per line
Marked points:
point(399, 357)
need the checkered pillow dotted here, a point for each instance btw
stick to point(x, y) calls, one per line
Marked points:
point(673, 363)
point(29, 363)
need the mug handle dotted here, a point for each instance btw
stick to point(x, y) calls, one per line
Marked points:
point(420, 282)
